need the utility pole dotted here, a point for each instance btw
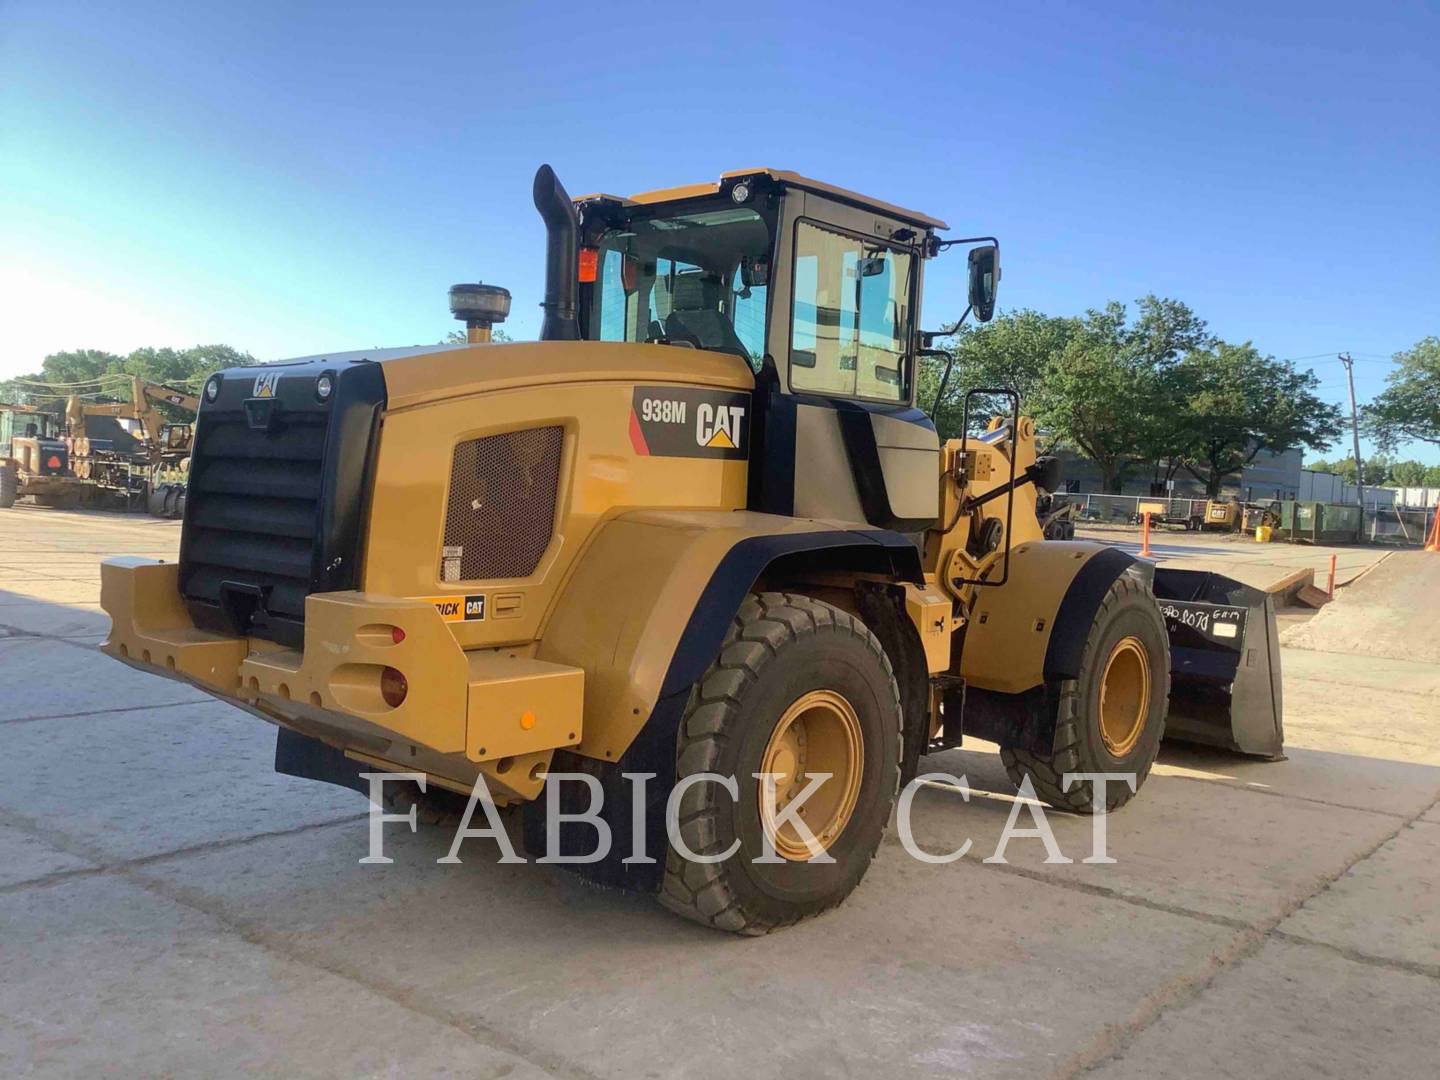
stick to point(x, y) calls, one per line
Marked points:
point(1355, 433)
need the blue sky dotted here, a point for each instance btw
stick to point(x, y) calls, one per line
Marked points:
point(291, 178)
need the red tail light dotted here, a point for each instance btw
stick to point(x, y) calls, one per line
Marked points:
point(397, 634)
point(393, 687)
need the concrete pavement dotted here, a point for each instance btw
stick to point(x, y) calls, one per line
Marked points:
point(169, 905)
point(1237, 555)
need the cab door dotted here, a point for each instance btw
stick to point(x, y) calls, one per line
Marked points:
point(842, 439)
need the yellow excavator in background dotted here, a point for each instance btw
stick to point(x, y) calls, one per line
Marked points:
point(98, 458)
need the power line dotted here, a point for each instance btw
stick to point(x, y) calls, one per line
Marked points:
point(113, 377)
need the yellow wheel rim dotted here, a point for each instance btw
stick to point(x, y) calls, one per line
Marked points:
point(1124, 696)
point(819, 733)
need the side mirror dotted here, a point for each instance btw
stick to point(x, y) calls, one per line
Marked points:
point(984, 278)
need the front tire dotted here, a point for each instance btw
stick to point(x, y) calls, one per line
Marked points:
point(9, 485)
point(1112, 718)
point(799, 687)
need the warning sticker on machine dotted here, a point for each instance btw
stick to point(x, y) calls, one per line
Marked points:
point(671, 421)
point(460, 608)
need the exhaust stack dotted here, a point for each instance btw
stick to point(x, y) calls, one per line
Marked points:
point(562, 242)
point(479, 307)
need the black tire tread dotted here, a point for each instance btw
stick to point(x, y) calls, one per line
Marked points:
point(765, 623)
point(1046, 770)
point(9, 485)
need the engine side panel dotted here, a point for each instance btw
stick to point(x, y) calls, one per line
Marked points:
point(622, 446)
point(646, 610)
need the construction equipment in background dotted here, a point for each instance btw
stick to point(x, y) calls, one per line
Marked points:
point(699, 528)
point(1057, 517)
point(108, 452)
point(165, 445)
point(34, 459)
point(1257, 514)
point(1168, 512)
point(1223, 514)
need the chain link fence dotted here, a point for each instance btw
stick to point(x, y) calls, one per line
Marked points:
point(1383, 525)
point(1407, 527)
point(1126, 510)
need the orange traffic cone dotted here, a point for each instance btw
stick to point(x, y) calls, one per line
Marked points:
point(1434, 542)
point(1145, 538)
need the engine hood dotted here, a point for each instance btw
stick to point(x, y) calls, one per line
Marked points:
point(428, 373)
point(436, 375)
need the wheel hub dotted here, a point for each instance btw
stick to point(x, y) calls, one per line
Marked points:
point(1124, 696)
point(818, 734)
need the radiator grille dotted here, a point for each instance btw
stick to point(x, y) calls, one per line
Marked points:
point(251, 513)
point(501, 512)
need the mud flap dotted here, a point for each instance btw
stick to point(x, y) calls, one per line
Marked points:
point(1224, 663)
point(300, 755)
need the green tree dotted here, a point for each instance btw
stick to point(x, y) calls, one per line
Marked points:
point(104, 376)
point(1013, 350)
point(1096, 395)
point(1241, 403)
point(458, 337)
point(1320, 466)
point(1164, 331)
point(1377, 470)
point(1432, 476)
point(1409, 407)
point(1408, 473)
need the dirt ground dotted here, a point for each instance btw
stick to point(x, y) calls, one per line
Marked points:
point(169, 905)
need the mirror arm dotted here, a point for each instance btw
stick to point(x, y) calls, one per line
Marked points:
point(937, 245)
point(928, 337)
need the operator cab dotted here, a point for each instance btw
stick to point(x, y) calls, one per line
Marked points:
point(24, 422)
point(698, 267)
point(818, 290)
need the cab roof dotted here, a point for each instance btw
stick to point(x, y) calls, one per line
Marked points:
point(780, 176)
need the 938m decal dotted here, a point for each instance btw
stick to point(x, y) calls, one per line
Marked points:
point(670, 421)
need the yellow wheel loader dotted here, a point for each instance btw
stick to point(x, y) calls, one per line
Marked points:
point(698, 534)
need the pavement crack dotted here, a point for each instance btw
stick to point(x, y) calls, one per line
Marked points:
point(415, 1001)
point(1114, 1039)
point(1413, 967)
point(19, 633)
point(101, 712)
point(104, 864)
point(1272, 793)
point(1103, 891)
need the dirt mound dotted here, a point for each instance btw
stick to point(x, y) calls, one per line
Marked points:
point(1392, 611)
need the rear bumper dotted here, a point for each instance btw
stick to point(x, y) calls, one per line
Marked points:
point(491, 711)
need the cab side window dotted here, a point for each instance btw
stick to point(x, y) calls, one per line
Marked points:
point(850, 317)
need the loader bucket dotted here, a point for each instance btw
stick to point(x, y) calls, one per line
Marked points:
point(1224, 662)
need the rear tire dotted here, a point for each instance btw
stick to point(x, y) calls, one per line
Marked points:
point(1126, 646)
point(9, 486)
point(789, 663)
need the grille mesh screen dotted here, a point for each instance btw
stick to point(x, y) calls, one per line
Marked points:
point(501, 512)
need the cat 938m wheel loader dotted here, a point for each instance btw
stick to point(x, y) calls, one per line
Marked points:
point(698, 531)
